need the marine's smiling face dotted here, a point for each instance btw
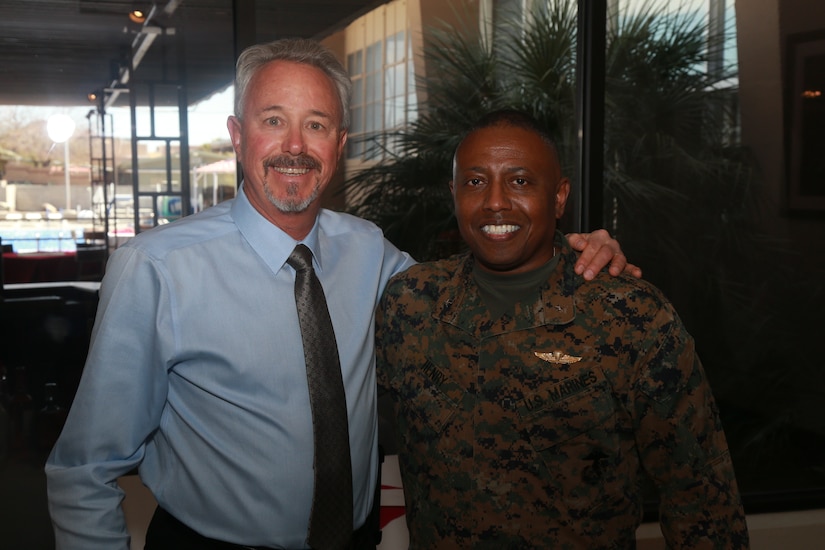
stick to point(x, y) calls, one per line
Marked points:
point(508, 193)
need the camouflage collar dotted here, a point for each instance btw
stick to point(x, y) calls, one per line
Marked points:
point(460, 304)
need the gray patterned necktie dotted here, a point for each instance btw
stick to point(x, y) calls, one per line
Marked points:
point(330, 523)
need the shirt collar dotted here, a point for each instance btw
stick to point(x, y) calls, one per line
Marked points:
point(268, 240)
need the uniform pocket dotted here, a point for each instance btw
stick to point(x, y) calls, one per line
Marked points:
point(572, 426)
point(562, 410)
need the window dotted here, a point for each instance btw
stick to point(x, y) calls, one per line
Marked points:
point(384, 97)
point(693, 199)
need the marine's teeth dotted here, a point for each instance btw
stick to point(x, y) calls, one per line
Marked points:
point(499, 229)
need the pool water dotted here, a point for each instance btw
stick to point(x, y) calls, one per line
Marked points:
point(42, 238)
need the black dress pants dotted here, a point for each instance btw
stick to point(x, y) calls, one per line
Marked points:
point(167, 533)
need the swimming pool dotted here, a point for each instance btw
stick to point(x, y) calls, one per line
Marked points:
point(59, 236)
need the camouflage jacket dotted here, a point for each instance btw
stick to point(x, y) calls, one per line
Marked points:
point(500, 447)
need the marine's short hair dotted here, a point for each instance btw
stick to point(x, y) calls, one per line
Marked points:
point(512, 117)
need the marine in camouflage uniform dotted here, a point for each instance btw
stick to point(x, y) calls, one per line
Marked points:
point(500, 448)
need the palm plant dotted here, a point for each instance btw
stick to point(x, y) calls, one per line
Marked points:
point(676, 193)
point(657, 94)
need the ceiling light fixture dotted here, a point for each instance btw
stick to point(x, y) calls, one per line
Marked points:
point(137, 16)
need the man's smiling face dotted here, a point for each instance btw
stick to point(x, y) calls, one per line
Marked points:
point(508, 193)
point(289, 140)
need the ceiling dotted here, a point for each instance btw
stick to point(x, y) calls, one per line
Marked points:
point(55, 52)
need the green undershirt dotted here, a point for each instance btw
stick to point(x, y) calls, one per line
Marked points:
point(501, 292)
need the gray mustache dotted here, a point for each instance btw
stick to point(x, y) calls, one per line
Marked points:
point(286, 161)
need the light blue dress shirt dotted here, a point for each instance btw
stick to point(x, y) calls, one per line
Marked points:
point(196, 374)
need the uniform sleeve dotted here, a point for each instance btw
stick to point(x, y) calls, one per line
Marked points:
point(117, 406)
point(395, 262)
point(382, 347)
point(682, 443)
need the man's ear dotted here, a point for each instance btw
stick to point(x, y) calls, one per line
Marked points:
point(233, 124)
point(562, 192)
point(342, 141)
point(452, 186)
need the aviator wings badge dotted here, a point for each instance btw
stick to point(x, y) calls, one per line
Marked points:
point(557, 357)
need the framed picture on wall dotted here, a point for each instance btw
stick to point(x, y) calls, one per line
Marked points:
point(805, 121)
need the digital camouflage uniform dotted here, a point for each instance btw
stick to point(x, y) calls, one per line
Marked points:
point(501, 449)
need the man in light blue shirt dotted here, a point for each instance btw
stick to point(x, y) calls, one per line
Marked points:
point(196, 371)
